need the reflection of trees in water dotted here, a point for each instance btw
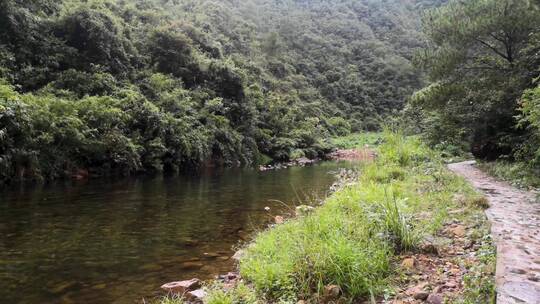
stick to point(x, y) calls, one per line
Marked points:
point(112, 237)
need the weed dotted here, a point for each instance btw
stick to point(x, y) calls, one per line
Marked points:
point(398, 227)
point(171, 299)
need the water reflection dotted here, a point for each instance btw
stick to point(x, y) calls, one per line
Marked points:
point(116, 241)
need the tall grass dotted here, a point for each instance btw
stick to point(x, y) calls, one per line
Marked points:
point(398, 227)
point(357, 140)
point(351, 240)
point(517, 173)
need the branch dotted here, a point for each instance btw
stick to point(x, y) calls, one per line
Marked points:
point(494, 49)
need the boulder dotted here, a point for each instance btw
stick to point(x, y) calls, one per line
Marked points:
point(181, 287)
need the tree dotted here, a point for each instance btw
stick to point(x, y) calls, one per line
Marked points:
point(478, 63)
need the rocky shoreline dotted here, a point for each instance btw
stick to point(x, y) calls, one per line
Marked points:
point(364, 154)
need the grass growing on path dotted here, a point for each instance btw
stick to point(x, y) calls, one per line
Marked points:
point(352, 239)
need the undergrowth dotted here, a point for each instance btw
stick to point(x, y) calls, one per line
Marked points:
point(517, 173)
point(480, 278)
point(357, 140)
point(352, 239)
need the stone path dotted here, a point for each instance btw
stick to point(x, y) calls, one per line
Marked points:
point(515, 225)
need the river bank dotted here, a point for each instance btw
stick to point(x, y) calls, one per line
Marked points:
point(406, 231)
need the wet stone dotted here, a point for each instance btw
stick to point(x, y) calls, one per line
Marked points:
point(181, 287)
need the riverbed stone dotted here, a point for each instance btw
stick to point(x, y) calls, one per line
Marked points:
point(304, 210)
point(182, 287)
point(191, 265)
point(211, 255)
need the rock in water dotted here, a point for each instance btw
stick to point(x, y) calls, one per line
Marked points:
point(182, 287)
point(191, 265)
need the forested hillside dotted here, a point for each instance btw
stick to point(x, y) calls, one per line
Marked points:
point(150, 85)
point(483, 62)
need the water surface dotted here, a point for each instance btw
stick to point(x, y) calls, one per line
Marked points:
point(103, 241)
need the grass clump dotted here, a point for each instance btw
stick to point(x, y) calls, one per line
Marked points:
point(352, 239)
point(170, 299)
point(517, 173)
point(240, 294)
point(480, 279)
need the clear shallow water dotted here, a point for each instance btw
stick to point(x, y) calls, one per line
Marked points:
point(117, 241)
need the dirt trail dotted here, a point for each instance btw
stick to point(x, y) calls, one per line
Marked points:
point(515, 226)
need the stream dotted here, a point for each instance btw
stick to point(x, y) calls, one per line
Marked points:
point(119, 240)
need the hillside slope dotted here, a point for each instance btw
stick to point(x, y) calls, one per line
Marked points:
point(131, 86)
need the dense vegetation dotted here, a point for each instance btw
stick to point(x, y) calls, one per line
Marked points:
point(150, 85)
point(483, 61)
point(353, 239)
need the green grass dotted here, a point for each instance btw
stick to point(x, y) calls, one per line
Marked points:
point(352, 239)
point(516, 173)
point(357, 140)
point(480, 278)
point(240, 294)
point(170, 299)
